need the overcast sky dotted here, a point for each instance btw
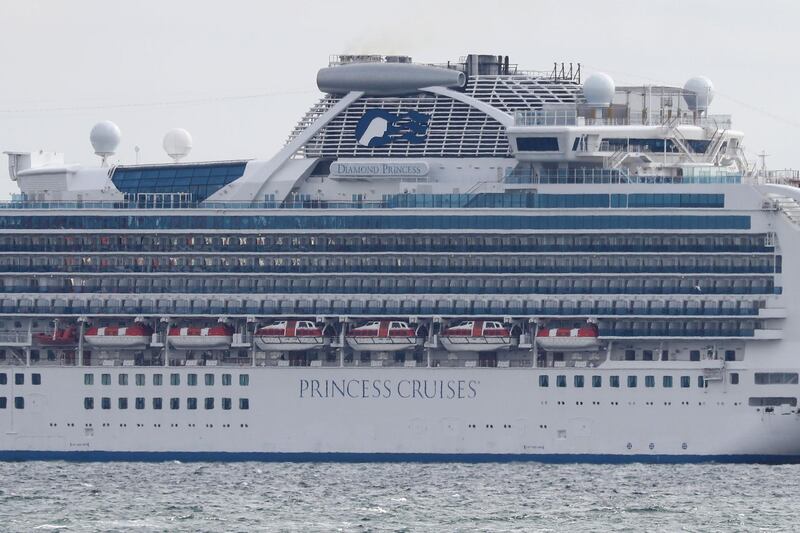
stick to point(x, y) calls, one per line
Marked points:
point(239, 74)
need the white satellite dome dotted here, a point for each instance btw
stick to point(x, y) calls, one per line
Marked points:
point(105, 137)
point(698, 93)
point(598, 89)
point(177, 143)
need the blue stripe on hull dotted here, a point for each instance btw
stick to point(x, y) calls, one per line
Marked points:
point(94, 456)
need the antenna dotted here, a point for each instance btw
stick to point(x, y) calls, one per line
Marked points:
point(763, 156)
point(105, 137)
point(137, 150)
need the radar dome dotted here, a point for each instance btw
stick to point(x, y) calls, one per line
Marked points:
point(105, 137)
point(698, 93)
point(177, 143)
point(598, 89)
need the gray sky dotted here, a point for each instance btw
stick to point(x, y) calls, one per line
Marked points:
point(239, 74)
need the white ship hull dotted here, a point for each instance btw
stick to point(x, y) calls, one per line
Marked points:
point(480, 413)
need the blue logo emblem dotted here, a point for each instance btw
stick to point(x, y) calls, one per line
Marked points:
point(379, 127)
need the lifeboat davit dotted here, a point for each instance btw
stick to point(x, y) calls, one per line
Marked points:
point(132, 337)
point(568, 339)
point(59, 337)
point(289, 336)
point(191, 338)
point(476, 336)
point(382, 336)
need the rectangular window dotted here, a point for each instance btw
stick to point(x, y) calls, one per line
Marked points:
point(122, 403)
point(667, 382)
point(158, 379)
point(105, 379)
point(561, 381)
point(209, 403)
point(544, 380)
point(191, 379)
point(156, 403)
point(649, 381)
point(19, 402)
point(685, 382)
point(174, 379)
point(694, 355)
point(226, 404)
point(36, 379)
point(613, 381)
point(244, 403)
point(139, 403)
point(105, 403)
point(88, 379)
point(226, 379)
point(730, 355)
point(734, 378)
point(174, 403)
point(244, 380)
point(578, 380)
point(191, 403)
point(4, 379)
point(19, 379)
point(123, 379)
point(88, 403)
point(776, 378)
point(537, 144)
point(701, 382)
point(597, 381)
point(3, 402)
point(209, 379)
point(772, 401)
point(140, 380)
point(630, 355)
point(647, 355)
point(631, 382)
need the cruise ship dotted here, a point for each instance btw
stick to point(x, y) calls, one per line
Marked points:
point(458, 261)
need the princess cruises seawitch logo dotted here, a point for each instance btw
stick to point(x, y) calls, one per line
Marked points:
point(379, 127)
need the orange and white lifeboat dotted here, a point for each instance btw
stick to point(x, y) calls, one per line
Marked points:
point(568, 339)
point(217, 337)
point(289, 336)
point(382, 336)
point(476, 336)
point(133, 337)
point(59, 337)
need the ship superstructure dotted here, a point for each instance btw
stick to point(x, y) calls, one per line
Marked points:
point(460, 260)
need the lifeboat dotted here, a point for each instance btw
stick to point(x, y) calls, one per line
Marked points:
point(289, 336)
point(191, 338)
point(568, 339)
point(476, 336)
point(132, 337)
point(59, 337)
point(382, 336)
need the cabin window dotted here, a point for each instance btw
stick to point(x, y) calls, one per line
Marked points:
point(561, 381)
point(631, 382)
point(244, 403)
point(122, 403)
point(667, 382)
point(578, 380)
point(649, 381)
point(140, 380)
point(209, 379)
point(544, 380)
point(191, 403)
point(156, 403)
point(776, 378)
point(158, 379)
point(701, 382)
point(226, 379)
point(244, 380)
point(3, 402)
point(685, 381)
point(174, 403)
point(105, 379)
point(209, 403)
point(597, 381)
point(174, 379)
point(226, 404)
point(730, 355)
point(694, 355)
point(191, 379)
point(88, 379)
point(36, 379)
point(105, 403)
point(647, 355)
point(139, 403)
point(19, 379)
point(630, 355)
point(88, 403)
point(123, 379)
point(734, 378)
point(19, 402)
point(613, 381)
